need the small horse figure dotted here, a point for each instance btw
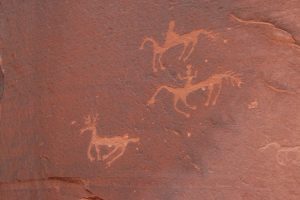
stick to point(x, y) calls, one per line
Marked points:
point(119, 143)
point(181, 93)
point(172, 40)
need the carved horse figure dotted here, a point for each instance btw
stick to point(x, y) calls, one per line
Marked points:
point(172, 40)
point(181, 93)
point(118, 143)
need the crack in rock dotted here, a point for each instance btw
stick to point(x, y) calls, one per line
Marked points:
point(91, 198)
point(281, 35)
point(279, 88)
point(50, 182)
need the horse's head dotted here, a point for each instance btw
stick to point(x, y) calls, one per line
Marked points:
point(234, 78)
point(209, 34)
point(134, 140)
point(237, 80)
point(212, 35)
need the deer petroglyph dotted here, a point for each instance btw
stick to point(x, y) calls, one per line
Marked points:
point(181, 93)
point(173, 39)
point(117, 143)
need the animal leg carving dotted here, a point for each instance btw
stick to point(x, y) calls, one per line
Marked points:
point(183, 51)
point(110, 153)
point(89, 154)
point(177, 109)
point(210, 90)
point(152, 99)
point(154, 62)
point(217, 94)
point(160, 62)
point(187, 104)
point(118, 156)
point(191, 51)
point(99, 157)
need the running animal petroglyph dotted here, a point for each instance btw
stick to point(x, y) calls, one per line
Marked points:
point(284, 155)
point(181, 93)
point(173, 39)
point(118, 143)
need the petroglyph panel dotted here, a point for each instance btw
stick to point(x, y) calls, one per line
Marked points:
point(221, 79)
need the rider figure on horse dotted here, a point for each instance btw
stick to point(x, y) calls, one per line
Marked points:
point(189, 76)
point(171, 35)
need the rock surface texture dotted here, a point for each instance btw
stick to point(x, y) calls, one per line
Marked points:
point(150, 100)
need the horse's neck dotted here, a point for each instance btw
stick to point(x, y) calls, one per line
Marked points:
point(132, 140)
point(94, 134)
point(198, 85)
point(212, 80)
point(154, 43)
point(201, 31)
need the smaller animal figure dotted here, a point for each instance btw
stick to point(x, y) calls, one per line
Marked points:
point(118, 143)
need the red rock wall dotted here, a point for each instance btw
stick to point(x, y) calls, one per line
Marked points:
point(207, 108)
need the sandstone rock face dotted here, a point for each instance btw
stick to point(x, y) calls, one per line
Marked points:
point(166, 100)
